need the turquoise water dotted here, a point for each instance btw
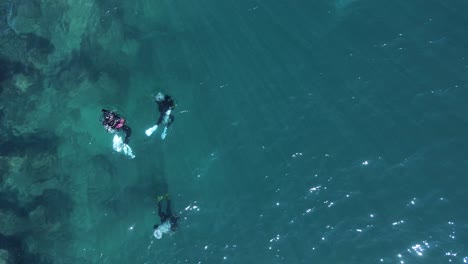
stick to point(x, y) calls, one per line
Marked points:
point(305, 131)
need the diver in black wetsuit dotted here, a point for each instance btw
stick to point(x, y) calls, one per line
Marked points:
point(113, 123)
point(168, 220)
point(165, 103)
point(165, 106)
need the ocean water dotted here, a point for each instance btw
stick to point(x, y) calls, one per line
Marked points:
point(323, 131)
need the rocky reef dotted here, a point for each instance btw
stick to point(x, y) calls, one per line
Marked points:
point(52, 54)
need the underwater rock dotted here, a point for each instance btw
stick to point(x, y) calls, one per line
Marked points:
point(44, 33)
point(22, 82)
point(32, 123)
point(49, 220)
point(42, 162)
point(41, 222)
point(8, 68)
point(5, 10)
point(23, 53)
point(11, 224)
point(26, 18)
point(30, 164)
point(35, 143)
point(15, 165)
point(57, 205)
point(12, 54)
point(38, 49)
point(5, 257)
point(125, 49)
point(64, 23)
point(4, 168)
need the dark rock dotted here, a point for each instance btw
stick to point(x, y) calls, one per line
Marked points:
point(25, 16)
point(9, 68)
point(38, 48)
point(38, 142)
point(41, 44)
point(11, 224)
point(5, 257)
point(9, 202)
point(57, 205)
point(17, 253)
point(4, 169)
point(6, 12)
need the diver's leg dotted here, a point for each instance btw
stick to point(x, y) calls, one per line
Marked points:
point(164, 133)
point(169, 122)
point(160, 119)
point(128, 133)
point(160, 213)
point(171, 119)
point(168, 208)
point(172, 218)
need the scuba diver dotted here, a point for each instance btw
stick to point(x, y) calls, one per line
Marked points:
point(168, 220)
point(113, 123)
point(165, 106)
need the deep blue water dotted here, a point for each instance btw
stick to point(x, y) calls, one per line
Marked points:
point(325, 132)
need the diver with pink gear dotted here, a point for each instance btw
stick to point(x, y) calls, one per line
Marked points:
point(113, 123)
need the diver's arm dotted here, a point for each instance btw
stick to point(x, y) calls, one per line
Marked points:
point(171, 104)
point(128, 133)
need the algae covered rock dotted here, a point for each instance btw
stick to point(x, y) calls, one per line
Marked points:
point(5, 257)
point(4, 168)
point(12, 166)
point(22, 82)
point(11, 224)
point(42, 223)
point(25, 16)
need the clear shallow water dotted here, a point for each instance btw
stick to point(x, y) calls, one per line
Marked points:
point(323, 131)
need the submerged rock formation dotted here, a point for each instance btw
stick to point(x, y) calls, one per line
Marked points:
point(5, 257)
point(50, 52)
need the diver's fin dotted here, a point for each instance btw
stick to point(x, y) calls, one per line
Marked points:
point(120, 146)
point(164, 134)
point(151, 130)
